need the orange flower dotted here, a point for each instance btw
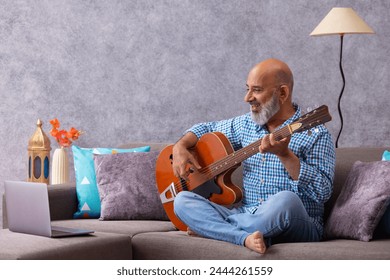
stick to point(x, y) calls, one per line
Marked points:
point(55, 123)
point(73, 133)
point(64, 138)
point(61, 134)
point(54, 132)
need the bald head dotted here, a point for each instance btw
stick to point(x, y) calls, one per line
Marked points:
point(273, 71)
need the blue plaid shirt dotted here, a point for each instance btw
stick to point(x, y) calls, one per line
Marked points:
point(264, 175)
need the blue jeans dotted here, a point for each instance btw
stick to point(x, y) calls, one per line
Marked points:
point(282, 218)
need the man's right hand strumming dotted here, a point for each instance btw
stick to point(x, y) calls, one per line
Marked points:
point(183, 159)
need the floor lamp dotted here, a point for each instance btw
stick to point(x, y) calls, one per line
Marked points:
point(340, 21)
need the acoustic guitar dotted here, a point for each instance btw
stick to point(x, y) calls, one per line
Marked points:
point(215, 154)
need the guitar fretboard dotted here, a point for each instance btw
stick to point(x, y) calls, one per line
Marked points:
point(239, 156)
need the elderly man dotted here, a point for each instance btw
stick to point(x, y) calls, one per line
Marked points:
point(285, 186)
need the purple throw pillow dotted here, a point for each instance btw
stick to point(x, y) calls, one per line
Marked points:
point(127, 187)
point(361, 203)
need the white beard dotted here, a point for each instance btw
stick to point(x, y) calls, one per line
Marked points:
point(266, 111)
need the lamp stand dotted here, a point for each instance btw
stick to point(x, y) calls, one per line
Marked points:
point(342, 89)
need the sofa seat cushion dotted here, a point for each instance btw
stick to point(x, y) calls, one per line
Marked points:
point(128, 227)
point(178, 245)
point(340, 249)
point(103, 246)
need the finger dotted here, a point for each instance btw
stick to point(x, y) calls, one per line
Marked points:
point(286, 139)
point(261, 150)
point(194, 162)
point(264, 144)
point(183, 172)
point(179, 170)
point(175, 172)
point(266, 141)
point(272, 140)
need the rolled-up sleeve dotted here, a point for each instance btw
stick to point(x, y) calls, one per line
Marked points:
point(317, 169)
point(232, 128)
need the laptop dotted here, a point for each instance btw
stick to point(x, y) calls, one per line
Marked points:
point(28, 211)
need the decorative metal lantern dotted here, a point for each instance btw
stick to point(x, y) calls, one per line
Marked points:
point(39, 156)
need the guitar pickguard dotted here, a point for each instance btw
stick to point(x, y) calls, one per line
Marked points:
point(207, 189)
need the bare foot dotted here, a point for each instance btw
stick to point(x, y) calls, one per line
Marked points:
point(255, 242)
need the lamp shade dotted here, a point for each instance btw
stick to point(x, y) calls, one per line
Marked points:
point(340, 21)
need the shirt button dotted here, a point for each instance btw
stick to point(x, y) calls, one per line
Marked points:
point(262, 181)
point(263, 158)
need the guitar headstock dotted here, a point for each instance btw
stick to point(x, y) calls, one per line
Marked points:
point(313, 118)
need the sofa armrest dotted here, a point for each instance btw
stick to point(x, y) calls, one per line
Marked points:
point(62, 201)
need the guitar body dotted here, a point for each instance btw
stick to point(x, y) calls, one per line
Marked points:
point(210, 148)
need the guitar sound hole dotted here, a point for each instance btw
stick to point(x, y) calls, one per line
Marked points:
point(171, 158)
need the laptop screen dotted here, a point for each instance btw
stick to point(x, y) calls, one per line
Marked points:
point(27, 207)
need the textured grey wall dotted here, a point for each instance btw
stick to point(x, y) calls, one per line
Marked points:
point(147, 70)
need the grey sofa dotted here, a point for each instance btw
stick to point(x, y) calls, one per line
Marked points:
point(141, 239)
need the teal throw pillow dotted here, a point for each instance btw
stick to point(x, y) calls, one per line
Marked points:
point(86, 187)
point(386, 155)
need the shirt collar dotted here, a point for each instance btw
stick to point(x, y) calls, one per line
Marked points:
point(296, 116)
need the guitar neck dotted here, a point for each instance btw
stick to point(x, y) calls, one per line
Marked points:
point(239, 156)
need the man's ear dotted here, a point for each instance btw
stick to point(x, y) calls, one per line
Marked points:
point(284, 93)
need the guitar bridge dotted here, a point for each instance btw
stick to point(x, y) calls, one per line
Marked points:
point(169, 194)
